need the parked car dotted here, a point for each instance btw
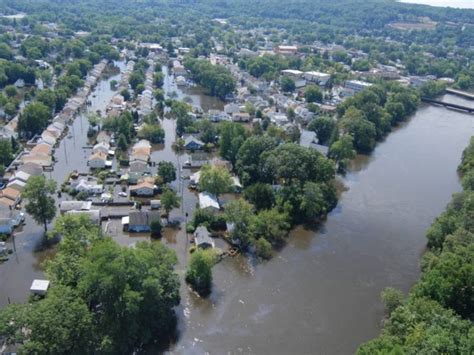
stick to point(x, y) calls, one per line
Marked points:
point(122, 194)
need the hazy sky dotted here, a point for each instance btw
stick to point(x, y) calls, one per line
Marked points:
point(469, 4)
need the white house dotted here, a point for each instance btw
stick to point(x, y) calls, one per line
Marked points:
point(208, 201)
point(202, 238)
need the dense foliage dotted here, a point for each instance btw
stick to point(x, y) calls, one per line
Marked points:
point(104, 298)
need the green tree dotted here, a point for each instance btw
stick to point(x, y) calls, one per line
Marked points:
point(342, 151)
point(314, 203)
point(61, 323)
point(199, 273)
point(263, 248)
point(34, 119)
point(260, 195)
point(215, 180)
point(167, 171)
point(156, 227)
point(232, 136)
point(271, 225)
point(313, 94)
point(323, 127)
point(11, 91)
point(362, 130)
point(152, 132)
point(47, 97)
point(239, 212)
point(392, 298)
point(169, 200)
point(132, 292)
point(287, 84)
point(39, 202)
point(6, 152)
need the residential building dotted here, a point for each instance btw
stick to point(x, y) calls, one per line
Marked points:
point(66, 206)
point(316, 77)
point(193, 143)
point(97, 160)
point(140, 221)
point(356, 85)
point(208, 201)
point(143, 189)
point(202, 238)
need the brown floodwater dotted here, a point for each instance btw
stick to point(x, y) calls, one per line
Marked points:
point(320, 293)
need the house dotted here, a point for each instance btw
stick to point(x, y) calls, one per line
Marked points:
point(6, 226)
point(10, 197)
point(240, 117)
point(89, 187)
point(356, 85)
point(217, 116)
point(138, 166)
point(208, 201)
point(101, 148)
point(319, 78)
point(231, 108)
point(39, 287)
point(31, 168)
point(17, 184)
point(97, 160)
point(202, 238)
point(143, 189)
point(20, 83)
point(140, 221)
point(155, 204)
point(66, 206)
point(192, 143)
point(293, 74)
point(21, 176)
point(286, 50)
point(94, 215)
point(103, 137)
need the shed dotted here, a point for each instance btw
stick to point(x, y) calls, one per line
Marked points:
point(39, 287)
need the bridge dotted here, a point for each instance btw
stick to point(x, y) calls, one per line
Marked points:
point(448, 105)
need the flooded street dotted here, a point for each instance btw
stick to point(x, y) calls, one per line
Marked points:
point(24, 265)
point(321, 293)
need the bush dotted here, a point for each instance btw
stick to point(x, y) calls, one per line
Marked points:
point(263, 248)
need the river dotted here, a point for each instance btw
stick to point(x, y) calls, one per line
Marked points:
point(321, 293)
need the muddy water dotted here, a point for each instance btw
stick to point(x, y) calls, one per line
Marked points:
point(320, 294)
